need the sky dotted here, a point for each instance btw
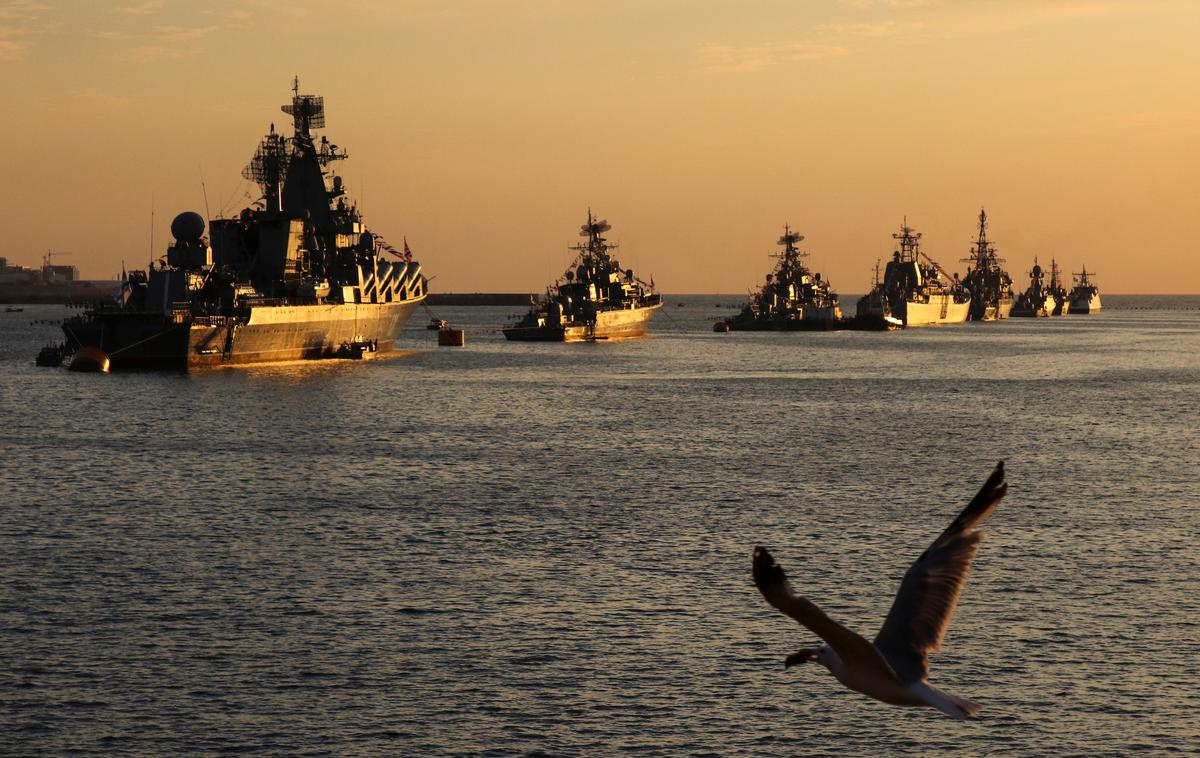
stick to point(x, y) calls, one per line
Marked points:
point(482, 131)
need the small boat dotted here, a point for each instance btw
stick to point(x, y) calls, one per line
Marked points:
point(52, 355)
point(13, 309)
point(436, 324)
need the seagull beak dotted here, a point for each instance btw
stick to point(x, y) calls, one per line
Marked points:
point(802, 656)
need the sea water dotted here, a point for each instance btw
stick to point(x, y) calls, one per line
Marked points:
point(544, 549)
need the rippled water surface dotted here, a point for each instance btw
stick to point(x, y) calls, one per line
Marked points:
point(517, 549)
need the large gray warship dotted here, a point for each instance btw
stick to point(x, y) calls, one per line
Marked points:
point(1062, 302)
point(1085, 295)
point(915, 290)
point(598, 301)
point(1037, 301)
point(297, 275)
point(989, 284)
point(792, 298)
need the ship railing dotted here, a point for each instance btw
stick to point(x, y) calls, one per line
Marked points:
point(214, 320)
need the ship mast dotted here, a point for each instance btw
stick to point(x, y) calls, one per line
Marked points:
point(597, 247)
point(909, 242)
point(1035, 275)
point(983, 252)
point(790, 259)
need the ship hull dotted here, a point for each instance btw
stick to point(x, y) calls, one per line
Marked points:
point(270, 334)
point(991, 311)
point(788, 325)
point(626, 323)
point(1085, 304)
point(1037, 310)
point(941, 309)
point(812, 320)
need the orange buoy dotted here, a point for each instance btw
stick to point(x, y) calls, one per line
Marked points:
point(90, 358)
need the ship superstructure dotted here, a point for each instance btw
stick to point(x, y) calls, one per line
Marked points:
point(1085, 295)
point(597, 300)
point(1037, 300)
point(793, 297)
point(914, 291)
point(297, 275)
point(1062, 301)
point(989, 284)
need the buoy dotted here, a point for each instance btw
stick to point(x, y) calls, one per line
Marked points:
point(721, 326)
point(90, 358)
point(452, 337)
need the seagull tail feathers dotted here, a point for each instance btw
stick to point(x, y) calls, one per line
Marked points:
point(950, 704)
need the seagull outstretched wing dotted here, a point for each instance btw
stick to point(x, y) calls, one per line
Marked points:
point(929, 592)
point(775, 587)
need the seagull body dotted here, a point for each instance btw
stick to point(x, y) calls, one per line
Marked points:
point(895, 667)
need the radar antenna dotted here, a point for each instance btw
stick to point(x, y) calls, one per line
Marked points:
point(269, 165)
point(596, 244)
point(594, 227)
point(790, 238)
point(307, 111)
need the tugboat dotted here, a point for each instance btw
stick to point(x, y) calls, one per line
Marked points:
point(1062, 303)
point(598, 301)
point(913, 291)
point(1085, 296)
point(1036, 301)
point(990, 286)
point(793, 297)
point(298, 275)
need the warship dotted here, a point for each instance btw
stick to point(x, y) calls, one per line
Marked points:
point(990, 285)
point(1062, 302)
point(914, 291)
point(598, 301)
point(793, 297)
point(1037, 300)
point(1085, 296)
point(295, 276)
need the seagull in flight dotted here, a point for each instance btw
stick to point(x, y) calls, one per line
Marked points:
point(895, 668)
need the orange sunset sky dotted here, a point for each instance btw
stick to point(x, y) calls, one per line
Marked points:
point(483, 130)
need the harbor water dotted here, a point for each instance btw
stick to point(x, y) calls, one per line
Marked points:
point(544, 549)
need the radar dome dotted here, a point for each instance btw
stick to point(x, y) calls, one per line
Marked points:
point(187, 226)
